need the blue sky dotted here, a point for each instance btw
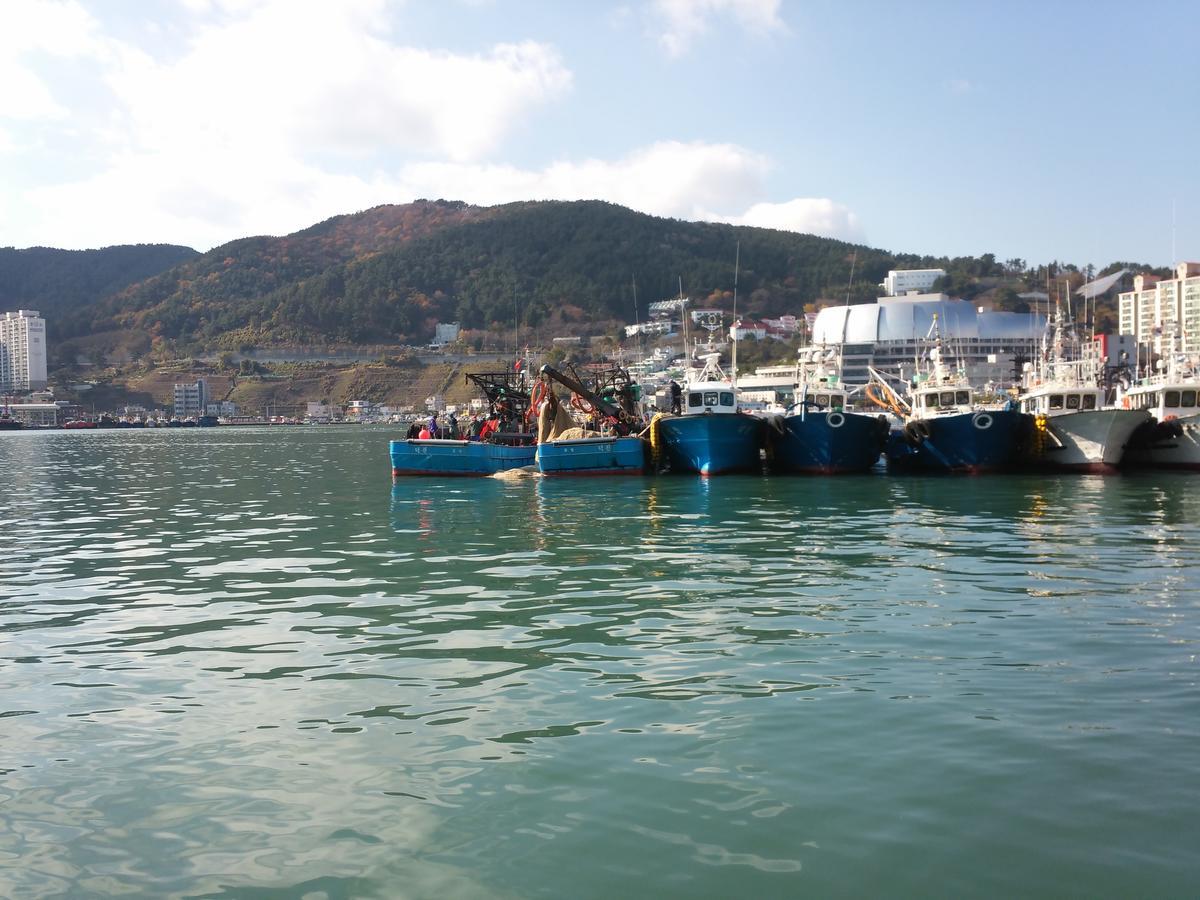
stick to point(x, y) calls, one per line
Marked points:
point(1049, 130)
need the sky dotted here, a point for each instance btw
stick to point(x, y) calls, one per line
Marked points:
point(1033, 130)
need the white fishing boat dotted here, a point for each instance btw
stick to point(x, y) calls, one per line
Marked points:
point(1073, 428)
point(1172, 398)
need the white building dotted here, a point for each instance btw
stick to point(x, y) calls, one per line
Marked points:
point(1158, 311)
point(445, 333)
point(43, 414)
point(191, 399)
point(892, 333)
point(22, 351)
point(225, 409)
point(904, 281)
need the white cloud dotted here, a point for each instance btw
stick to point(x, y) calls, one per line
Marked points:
point(679, 180)
point(327, 79)
point(959, 86)
point(32, 31)
point(268, 116)
point(685, 21)
point(809, 215)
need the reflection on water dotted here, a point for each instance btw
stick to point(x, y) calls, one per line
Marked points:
point(244, 660)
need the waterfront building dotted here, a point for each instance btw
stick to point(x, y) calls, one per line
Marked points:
point(191, 399)
point(42, 414)
point(225, 409)
point(893, 333)
point(1159, 311)
point(22, 351)
point(907, 281)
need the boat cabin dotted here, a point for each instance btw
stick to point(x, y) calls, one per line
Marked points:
point(1056, 402)
point(935, 400)
point(711, 397)
point(1166, 400)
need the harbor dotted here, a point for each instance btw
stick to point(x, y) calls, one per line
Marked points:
point(487, 687)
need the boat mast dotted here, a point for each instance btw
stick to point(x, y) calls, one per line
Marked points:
point(737, 258)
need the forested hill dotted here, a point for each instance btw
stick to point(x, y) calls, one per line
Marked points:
point(55, 282)
point(198, 301)
point(388, 274)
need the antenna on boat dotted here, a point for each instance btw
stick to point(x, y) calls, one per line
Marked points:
point(737, 258)
point(683, 321)
point(846, 316)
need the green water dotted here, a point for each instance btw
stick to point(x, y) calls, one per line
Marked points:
point(240, 663)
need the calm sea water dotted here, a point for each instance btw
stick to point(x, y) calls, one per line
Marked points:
point(241, 663)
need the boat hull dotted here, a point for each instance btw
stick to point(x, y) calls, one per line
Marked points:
point(1173, 444)
point(1084, 441)
point(443, 457)
point(593, 456)
point(970, 442)
point(713, 444)
point(827, 443)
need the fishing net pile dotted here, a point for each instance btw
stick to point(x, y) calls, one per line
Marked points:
point(555, 423)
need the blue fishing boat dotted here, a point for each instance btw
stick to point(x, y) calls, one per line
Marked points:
point(608, 401)
point(710, 436)
point(820, 433)
point(445, 457)
point(947, 427)
point(506, 443)
point(593, 455)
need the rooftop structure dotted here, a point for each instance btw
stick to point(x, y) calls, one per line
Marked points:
point(906, 281)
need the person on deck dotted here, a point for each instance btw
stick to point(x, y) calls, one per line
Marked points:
point(676, 397)
point(434, 431)
point(414, 430)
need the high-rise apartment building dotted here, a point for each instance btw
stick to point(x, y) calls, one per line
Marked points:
point(1159, 312)
point(22, 351)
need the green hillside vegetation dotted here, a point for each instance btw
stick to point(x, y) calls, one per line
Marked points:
point(388, 274)
point(58, 282)
point(385, 276)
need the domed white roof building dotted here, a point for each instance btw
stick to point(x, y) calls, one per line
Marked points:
point(892, 333)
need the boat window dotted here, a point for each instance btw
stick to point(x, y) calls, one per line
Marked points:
point(1089, 401)
point(822, 399)
point(962, 398)
point(1072, 401)
point(837, 401)
point(930, 400)
point(726, 398)
point(695, 400)
point(1056, 401)
point(710, 398)
point(1172, 398)
point(1188, 398)
point(947, 398)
